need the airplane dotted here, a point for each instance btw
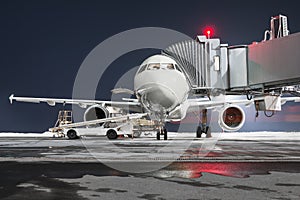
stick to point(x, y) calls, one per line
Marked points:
point(162, 92)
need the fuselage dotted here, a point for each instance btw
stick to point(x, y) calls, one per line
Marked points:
point(161, 86)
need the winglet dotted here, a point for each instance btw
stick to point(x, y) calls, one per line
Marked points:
point(11, 98)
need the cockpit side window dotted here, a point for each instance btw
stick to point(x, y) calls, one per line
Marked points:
point(142, 68)
point(178, 68)
point(153, 66)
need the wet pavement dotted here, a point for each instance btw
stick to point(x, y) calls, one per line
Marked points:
point(249, 166)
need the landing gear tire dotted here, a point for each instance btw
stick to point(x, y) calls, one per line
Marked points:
point(111, 134)
point(72, 135)
point(199, 132)
point(165, 134)
point(158, 135)
point(208, 132)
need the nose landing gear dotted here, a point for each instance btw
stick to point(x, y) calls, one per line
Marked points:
point(162, 131)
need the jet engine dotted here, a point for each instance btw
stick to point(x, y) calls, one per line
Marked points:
point(231, 118)
point(96, 112)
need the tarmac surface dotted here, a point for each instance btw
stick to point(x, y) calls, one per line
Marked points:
point(261, 165)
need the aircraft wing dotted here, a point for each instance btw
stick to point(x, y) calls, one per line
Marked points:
point(79, 102)
point(110, 119)
point(286, 99)
point(211, 104)
point(246, 102)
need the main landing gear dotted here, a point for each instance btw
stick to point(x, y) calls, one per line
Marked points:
point(162, 131)
point(203, 128)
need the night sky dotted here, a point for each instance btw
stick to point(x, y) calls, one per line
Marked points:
point(43, 44)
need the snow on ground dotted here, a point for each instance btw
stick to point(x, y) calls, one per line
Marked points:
point(263, 135)
point(34, 135)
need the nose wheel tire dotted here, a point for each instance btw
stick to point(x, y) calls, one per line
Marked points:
point(165, 134)
point(158, 135)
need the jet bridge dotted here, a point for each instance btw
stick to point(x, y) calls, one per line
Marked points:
point(261, 66)
point(265, 65)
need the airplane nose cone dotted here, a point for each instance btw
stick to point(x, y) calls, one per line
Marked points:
point(158, 98)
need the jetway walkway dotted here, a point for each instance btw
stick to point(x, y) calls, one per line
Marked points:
point(259, 67)
point(268, 64)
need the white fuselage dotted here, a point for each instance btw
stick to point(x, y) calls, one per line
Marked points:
point(160, 86)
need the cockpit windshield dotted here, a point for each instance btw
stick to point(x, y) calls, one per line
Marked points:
point(159, 66)
point(153, 66)
point(167, 66)
point(164, 66)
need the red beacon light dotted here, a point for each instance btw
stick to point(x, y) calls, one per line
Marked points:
point(208, 32)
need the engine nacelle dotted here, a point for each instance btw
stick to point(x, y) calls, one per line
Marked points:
point(232, 118)
point(96, 112)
